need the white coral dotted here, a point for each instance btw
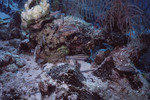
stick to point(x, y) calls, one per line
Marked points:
point(35, 12)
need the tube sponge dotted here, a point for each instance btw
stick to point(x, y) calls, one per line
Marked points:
point(36, 12)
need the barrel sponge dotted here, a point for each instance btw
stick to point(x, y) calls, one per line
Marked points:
point(36, 12)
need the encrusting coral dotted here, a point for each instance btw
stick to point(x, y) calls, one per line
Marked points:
point(34, 12)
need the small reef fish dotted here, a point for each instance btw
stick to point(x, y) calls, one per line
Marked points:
point(55, 13)
point(126, 68)
point(78, 57)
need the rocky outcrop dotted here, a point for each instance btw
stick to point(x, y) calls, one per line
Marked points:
point(66, 83)
point(67, 73)
point(10, 62)
point(105, 69)
point(11, 27)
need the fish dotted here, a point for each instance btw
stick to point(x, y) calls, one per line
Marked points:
point(126, 68)
point(78, 57)
point(6, 18)
point(55, 13)
point(90, 70)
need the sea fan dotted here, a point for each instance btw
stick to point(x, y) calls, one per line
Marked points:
point(112, 15)
point(119, 17)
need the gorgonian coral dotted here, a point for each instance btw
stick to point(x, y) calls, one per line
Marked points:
point(120, 16)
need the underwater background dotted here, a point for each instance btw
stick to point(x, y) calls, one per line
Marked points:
point(74, 49)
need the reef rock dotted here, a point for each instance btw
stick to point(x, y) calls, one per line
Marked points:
point(104, 71)
point(65, 82)
point(67, 73)
point(10, 62)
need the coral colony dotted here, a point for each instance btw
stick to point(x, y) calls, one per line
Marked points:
point(74, 50)
point(36, 12)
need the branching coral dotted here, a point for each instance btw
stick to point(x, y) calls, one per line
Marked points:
point(34, 12)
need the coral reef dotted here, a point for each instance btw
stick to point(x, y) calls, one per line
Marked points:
point(48, 54)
